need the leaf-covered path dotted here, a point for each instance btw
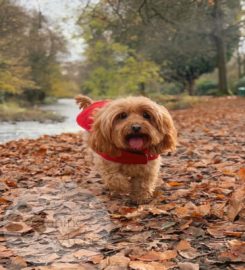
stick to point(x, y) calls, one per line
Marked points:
point(56, 213)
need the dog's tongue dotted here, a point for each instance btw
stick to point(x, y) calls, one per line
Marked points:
point(136, 143)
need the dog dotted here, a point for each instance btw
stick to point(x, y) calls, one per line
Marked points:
point(127, 136)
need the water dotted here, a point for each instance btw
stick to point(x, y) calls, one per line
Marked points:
point(32, 129)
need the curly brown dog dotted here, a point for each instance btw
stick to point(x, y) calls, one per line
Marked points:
point(126, 136)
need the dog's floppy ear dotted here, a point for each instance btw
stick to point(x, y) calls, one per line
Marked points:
point(100, 136)
point(169, 139)
point(167, 144)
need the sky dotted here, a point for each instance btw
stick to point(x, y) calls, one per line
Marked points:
point(64, 14)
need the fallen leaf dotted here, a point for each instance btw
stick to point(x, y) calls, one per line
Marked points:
point(138, 265)
point(18, 262)
point(175, 184)
point(217, 209)
point(190, 253)
point(191, 210)
point(11, 183)
point(4, 201)
point(238, 267)
point(188, 266)
point(185, 224)
point(157, 211)
point(182, 212)
point(236, 203)
point(158, 256)
point(241, 174)
point(183, 245)
point(118, 260)
point(235, 253)
point(203, 210)
point(96, 259)
point(15, 228)
point(85, 253)
point(62, 266)
point(219, 230)
point(5, 252)
point(228, 172)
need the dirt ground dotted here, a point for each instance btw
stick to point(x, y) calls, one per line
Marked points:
point(56, 213)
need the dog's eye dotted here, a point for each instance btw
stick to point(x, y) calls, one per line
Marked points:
point(146, 115)
point(122, 115)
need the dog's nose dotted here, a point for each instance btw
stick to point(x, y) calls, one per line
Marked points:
point(136, 127)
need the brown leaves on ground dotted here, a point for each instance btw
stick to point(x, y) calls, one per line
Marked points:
point(56, 213)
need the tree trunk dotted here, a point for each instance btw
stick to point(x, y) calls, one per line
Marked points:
point(239, 64)
point(221, 48)
point(191, 87)
point(142, 89)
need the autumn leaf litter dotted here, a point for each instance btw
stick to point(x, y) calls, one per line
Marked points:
point(56, 212)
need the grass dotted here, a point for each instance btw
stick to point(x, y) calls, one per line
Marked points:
point(178, 102)
point(12, 112)
point(172, 102)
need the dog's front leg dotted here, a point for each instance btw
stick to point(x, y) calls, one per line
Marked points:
point(142, 189)
point(116, 183)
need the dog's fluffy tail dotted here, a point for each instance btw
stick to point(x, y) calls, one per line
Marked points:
point(83, 101)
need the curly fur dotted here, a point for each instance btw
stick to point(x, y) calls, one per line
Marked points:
point(109, 135)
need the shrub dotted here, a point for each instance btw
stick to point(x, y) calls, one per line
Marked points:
point(239, 83)
point(207, 88)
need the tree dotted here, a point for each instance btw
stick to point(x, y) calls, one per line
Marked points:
point(113, 68)
point(44, 45)
point(14, 69)
point(180, 37)
point(29, 55)
point(116, 70)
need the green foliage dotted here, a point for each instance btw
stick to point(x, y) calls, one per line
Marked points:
point(116, 70)
point(171, 88)
point(206, 87)
point(181, 38)
point(240, 83)
point(29, 68)
point(11, 111)
point(15, 78)
point(176, 102)
point(14, 70)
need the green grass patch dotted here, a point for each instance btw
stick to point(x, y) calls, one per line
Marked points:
point(12, 112)
point(178, 102)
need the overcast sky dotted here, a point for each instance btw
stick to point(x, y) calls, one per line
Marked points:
point(64, 14)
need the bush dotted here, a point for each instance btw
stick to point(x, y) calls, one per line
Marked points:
point(173, 88)
point(239, 83)
point(33, 96)
point(177, 102)
point(5, 96)
point(207, 88)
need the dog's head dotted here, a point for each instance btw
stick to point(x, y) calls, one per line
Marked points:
point(133, 124)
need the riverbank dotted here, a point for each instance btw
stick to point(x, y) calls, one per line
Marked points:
point(12, 112)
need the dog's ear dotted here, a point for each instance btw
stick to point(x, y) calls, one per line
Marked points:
point(168, 140)
point(100, 136)
point(167, 144)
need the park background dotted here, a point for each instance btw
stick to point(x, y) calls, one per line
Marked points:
point(173, 52)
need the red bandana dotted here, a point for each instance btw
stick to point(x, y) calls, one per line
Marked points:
point(85, 120)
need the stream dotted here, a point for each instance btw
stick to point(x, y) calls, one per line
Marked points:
point(32, 129)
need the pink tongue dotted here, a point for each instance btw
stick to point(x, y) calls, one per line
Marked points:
point(136, 143)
